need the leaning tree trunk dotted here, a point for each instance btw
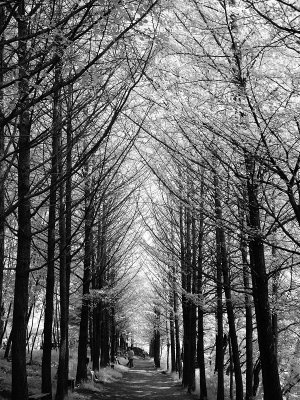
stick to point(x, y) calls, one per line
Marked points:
point(19, 375)
point(271, 382)
point(6, 322)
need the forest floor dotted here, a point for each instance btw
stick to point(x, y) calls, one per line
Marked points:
point(141, 381)
point(121, 383)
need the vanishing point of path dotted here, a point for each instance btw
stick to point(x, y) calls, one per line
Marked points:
point(143, 381)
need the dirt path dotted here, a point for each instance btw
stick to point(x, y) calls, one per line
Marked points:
point(143, 381)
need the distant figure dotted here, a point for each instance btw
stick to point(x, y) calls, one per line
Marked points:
point(144, 354)
point(130, 358)
point(4, 343)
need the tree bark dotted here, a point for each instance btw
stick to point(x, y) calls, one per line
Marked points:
point(248, 306)
point(172, 333)
point(2, 177)
point(62, 373)
point(221, 244)
point(81, 374)
point(200, 342)
point(156, 336)
point(50, 280)
point(105, 334)
point(219, 338)
point(271, 382)
point(19, 375)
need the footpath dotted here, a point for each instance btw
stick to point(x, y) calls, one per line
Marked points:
point(143, 381)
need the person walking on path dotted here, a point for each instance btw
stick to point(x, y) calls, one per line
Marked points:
point(130, 358)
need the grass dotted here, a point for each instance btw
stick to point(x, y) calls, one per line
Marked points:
point(34, 376)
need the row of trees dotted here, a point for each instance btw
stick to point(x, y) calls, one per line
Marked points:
point(68, 75)
point(225, 236)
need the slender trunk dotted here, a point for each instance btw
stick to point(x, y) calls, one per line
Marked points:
point(231, 366)
point(174, 323)
point(2, 177)
point(177, 335)
point(156, 336)
point(36, 334)
point(6, 322)
point(168, 343)
point(112, 335)
point(50, 280)
point(275, 282)
point(9, 341)
point(84, 318)
point(172, 333)
point(271, 382)
point(200, 342)
point(62, 373)
point(97, 279)
point(184, 281)
point(248, 308)
point(19, 374)
point(192, 307)
point(68, 211)
point(104, 359)
point(96, 336)
point(32, 312)
point(221, 243)
point(219, 339)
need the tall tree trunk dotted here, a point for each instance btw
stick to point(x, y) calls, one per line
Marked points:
point(200, 342)
point(2, 177)
point(221, 244)
point(81, 374)
point(177, 335)
point(50, 280)
point(96, 336)
point(97, 307)
point(156, 336)
point(112, 335)
point(172, 314)
point(62, 374)
point(192, 306)
point(275, 282)
point(68, 207)
point(219, 315)
point(172, 332)
point(271, 382)
point(19, 375)
point(184, 282)
point(248, 306)
point(36, 333)
point(168, 343)
point(105, 334)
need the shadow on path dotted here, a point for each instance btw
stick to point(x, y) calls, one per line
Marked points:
point(143, 381)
